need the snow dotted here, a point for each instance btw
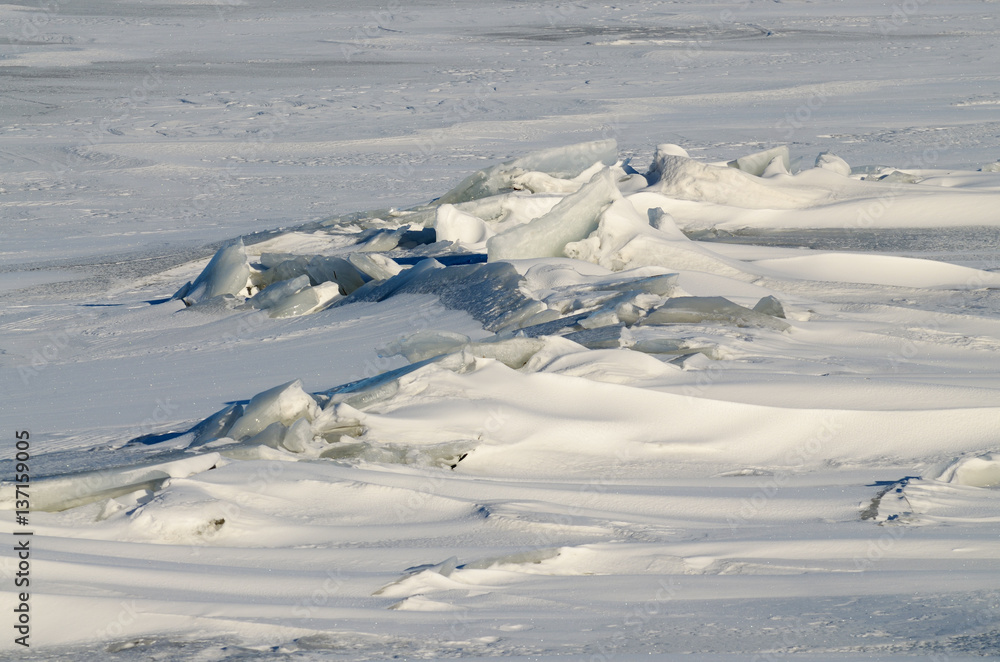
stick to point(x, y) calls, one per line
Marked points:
point(526, 330)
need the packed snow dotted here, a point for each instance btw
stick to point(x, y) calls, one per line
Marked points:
point(574, 393)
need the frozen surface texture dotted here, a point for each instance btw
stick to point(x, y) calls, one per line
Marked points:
point(664, 330)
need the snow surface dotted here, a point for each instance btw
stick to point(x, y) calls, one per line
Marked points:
point(664, 328)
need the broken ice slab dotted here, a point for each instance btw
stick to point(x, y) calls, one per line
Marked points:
point(769, 305)
point(605, 337)
point(757, 163)
point(696, 310)
point(490, 293)
point(319, 269)
point(285, 403)
point(974, 471)
point(563, 162)
point(271, 295)
point(374, 265)
point(60, 493)
point(833, 163)
point(323, 269)
point(305, 301)
point(365, 392)
point(216, 426)
point(226, 273)
point(572, 219)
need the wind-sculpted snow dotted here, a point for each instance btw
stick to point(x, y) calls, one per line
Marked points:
point(539, 387)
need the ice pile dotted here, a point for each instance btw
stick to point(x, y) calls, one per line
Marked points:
point(580, 268)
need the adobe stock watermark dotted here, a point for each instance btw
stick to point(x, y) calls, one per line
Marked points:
point(752, 506)
point(363, 36)
point(693, 49)
point(901, 14)
point(248, 149)
point(27, 28)
point(54, 344)
point(125, 107)
point(797, 119)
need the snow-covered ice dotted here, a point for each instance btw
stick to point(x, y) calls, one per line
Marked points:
point(536, 330)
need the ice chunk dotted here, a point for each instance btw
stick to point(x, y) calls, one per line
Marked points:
point(512, 352)
point(336, 422)
point(569, 161)
point(382, 240)
point(562, 162)
point(539, 182)
point(573, 219)
point(228, 272)
point(686, 179)
point(274, 293)
point(664, 222)
point(696, 310)
point(425, 344)
point(603, 317)
point(604, 337)
point(78, 489)
point(898, 177)
point(283, 271)
point(216, 426)
point(757, 163)
point(770, 306)
point(459, 227)
point(992, 167)
point(305, 301)
point(833, 163)
point(322, 269)
point(977, 471)
point(285, 404)
point(374, 265)
point(299, 437)
point(663, 150)
point(775, 167)
point(624, 239)
point(271, 436)
point(489, 292)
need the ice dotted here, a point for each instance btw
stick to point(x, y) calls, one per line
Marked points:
point(216, 426)
point(488, 292)
point(770, 305)
point(375, 266)
point(282, 404)
point(226, 273)
point(759, 162)
point(539, 182)
point(274, 293)
point(559, 162)
point(698, 310)
point(624, 239)
point(426, 344)
point(77, 489)
point(679, 489)
point(833, 163)
point(285, 268)
point(307, 300)
point(461, 228)
point(512, 352)
point(323, 269)
point(977, 471)
point(575, 217)
point(684, 178)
